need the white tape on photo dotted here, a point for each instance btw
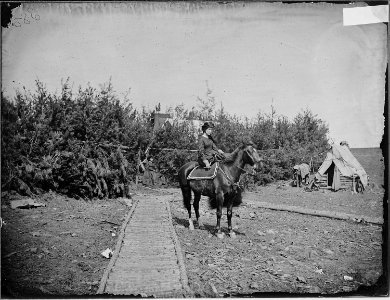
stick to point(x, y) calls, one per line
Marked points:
point(365, 15)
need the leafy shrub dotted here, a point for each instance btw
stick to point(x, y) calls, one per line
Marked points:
point(88, 144)
point(82, 144)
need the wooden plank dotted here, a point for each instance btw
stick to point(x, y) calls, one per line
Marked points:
point(141, 279)
point(150, 260)
point(319, 213)
point(145, 267)
point(126, 288)
point(140, 271)
point(140, 286)
point(158, 251)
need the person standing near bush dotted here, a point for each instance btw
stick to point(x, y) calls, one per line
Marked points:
point(150, 172)
point(206, 146)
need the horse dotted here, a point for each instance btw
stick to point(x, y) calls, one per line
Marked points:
point(223, 187)
point(301, 174)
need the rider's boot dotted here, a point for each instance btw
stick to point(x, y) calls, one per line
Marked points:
point(207, 164)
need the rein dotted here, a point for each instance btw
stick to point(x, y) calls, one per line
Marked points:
point(244, 171)
point(253, 173)
point(228, 178)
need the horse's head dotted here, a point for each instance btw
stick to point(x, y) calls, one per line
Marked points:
point(251, 156)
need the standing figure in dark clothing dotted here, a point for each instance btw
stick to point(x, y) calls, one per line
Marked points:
point(151, 172)
point(206, 146)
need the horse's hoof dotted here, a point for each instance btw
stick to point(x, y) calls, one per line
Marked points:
point(191, 227)
point(200, 225)
point(232, 234)
point(220, 235)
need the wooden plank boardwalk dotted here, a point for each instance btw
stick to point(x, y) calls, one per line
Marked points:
point(147, 259)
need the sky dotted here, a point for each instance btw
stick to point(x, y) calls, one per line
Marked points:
point(252, 55)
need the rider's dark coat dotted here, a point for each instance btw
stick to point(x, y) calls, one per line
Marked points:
point(206, 149)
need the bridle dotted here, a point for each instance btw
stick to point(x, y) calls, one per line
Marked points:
point(237, 184)
point(253, 173)
point(250, 155)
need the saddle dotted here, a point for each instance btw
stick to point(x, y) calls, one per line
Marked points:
point(199, 173)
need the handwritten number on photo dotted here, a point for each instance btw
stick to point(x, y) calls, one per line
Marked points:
point(16, 23)
point(26, 20)
point(34, 16)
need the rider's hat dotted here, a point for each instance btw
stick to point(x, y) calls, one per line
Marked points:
point(207, 125)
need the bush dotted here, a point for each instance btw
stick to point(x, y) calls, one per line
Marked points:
point(87, 144)
point(82, 144)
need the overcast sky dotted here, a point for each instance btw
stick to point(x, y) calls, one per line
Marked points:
point(253, 55)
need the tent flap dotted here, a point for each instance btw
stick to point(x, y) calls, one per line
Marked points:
point(336, 180)
point(346, 165)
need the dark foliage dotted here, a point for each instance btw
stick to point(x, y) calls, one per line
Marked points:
point(83, 144)
point(88, 144)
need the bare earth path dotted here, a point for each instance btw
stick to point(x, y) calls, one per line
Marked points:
point(147, 260)
point(54, 251)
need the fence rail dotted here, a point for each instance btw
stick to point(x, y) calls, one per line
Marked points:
point(174, 149)
point(195, 150)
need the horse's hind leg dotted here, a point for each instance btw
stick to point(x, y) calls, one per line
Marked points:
point(220, 200)
point(186, 191)
point(197, 197)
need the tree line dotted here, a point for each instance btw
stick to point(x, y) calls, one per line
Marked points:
point(88, 143)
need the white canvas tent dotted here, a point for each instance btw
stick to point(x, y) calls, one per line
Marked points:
point(341, 169)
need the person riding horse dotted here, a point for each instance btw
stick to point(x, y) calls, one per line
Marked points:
point(207, 150)
point(223, 188)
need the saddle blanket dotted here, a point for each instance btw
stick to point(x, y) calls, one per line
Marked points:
point(199, 173)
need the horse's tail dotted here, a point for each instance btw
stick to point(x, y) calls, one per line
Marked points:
point(187, 195)
point(184, 184)
point(213, 202)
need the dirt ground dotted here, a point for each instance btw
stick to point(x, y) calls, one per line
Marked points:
point(56, 250)
point(284, 252)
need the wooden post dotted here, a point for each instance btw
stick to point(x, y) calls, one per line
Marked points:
point(353, 184)
point(311, 165)
point(137, 166)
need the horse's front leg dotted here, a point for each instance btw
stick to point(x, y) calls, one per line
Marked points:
point(196, 208)
point(191, 224)
point(229, 217)
point(220, 199)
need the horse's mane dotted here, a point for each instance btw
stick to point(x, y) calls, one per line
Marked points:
point(231, 157)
